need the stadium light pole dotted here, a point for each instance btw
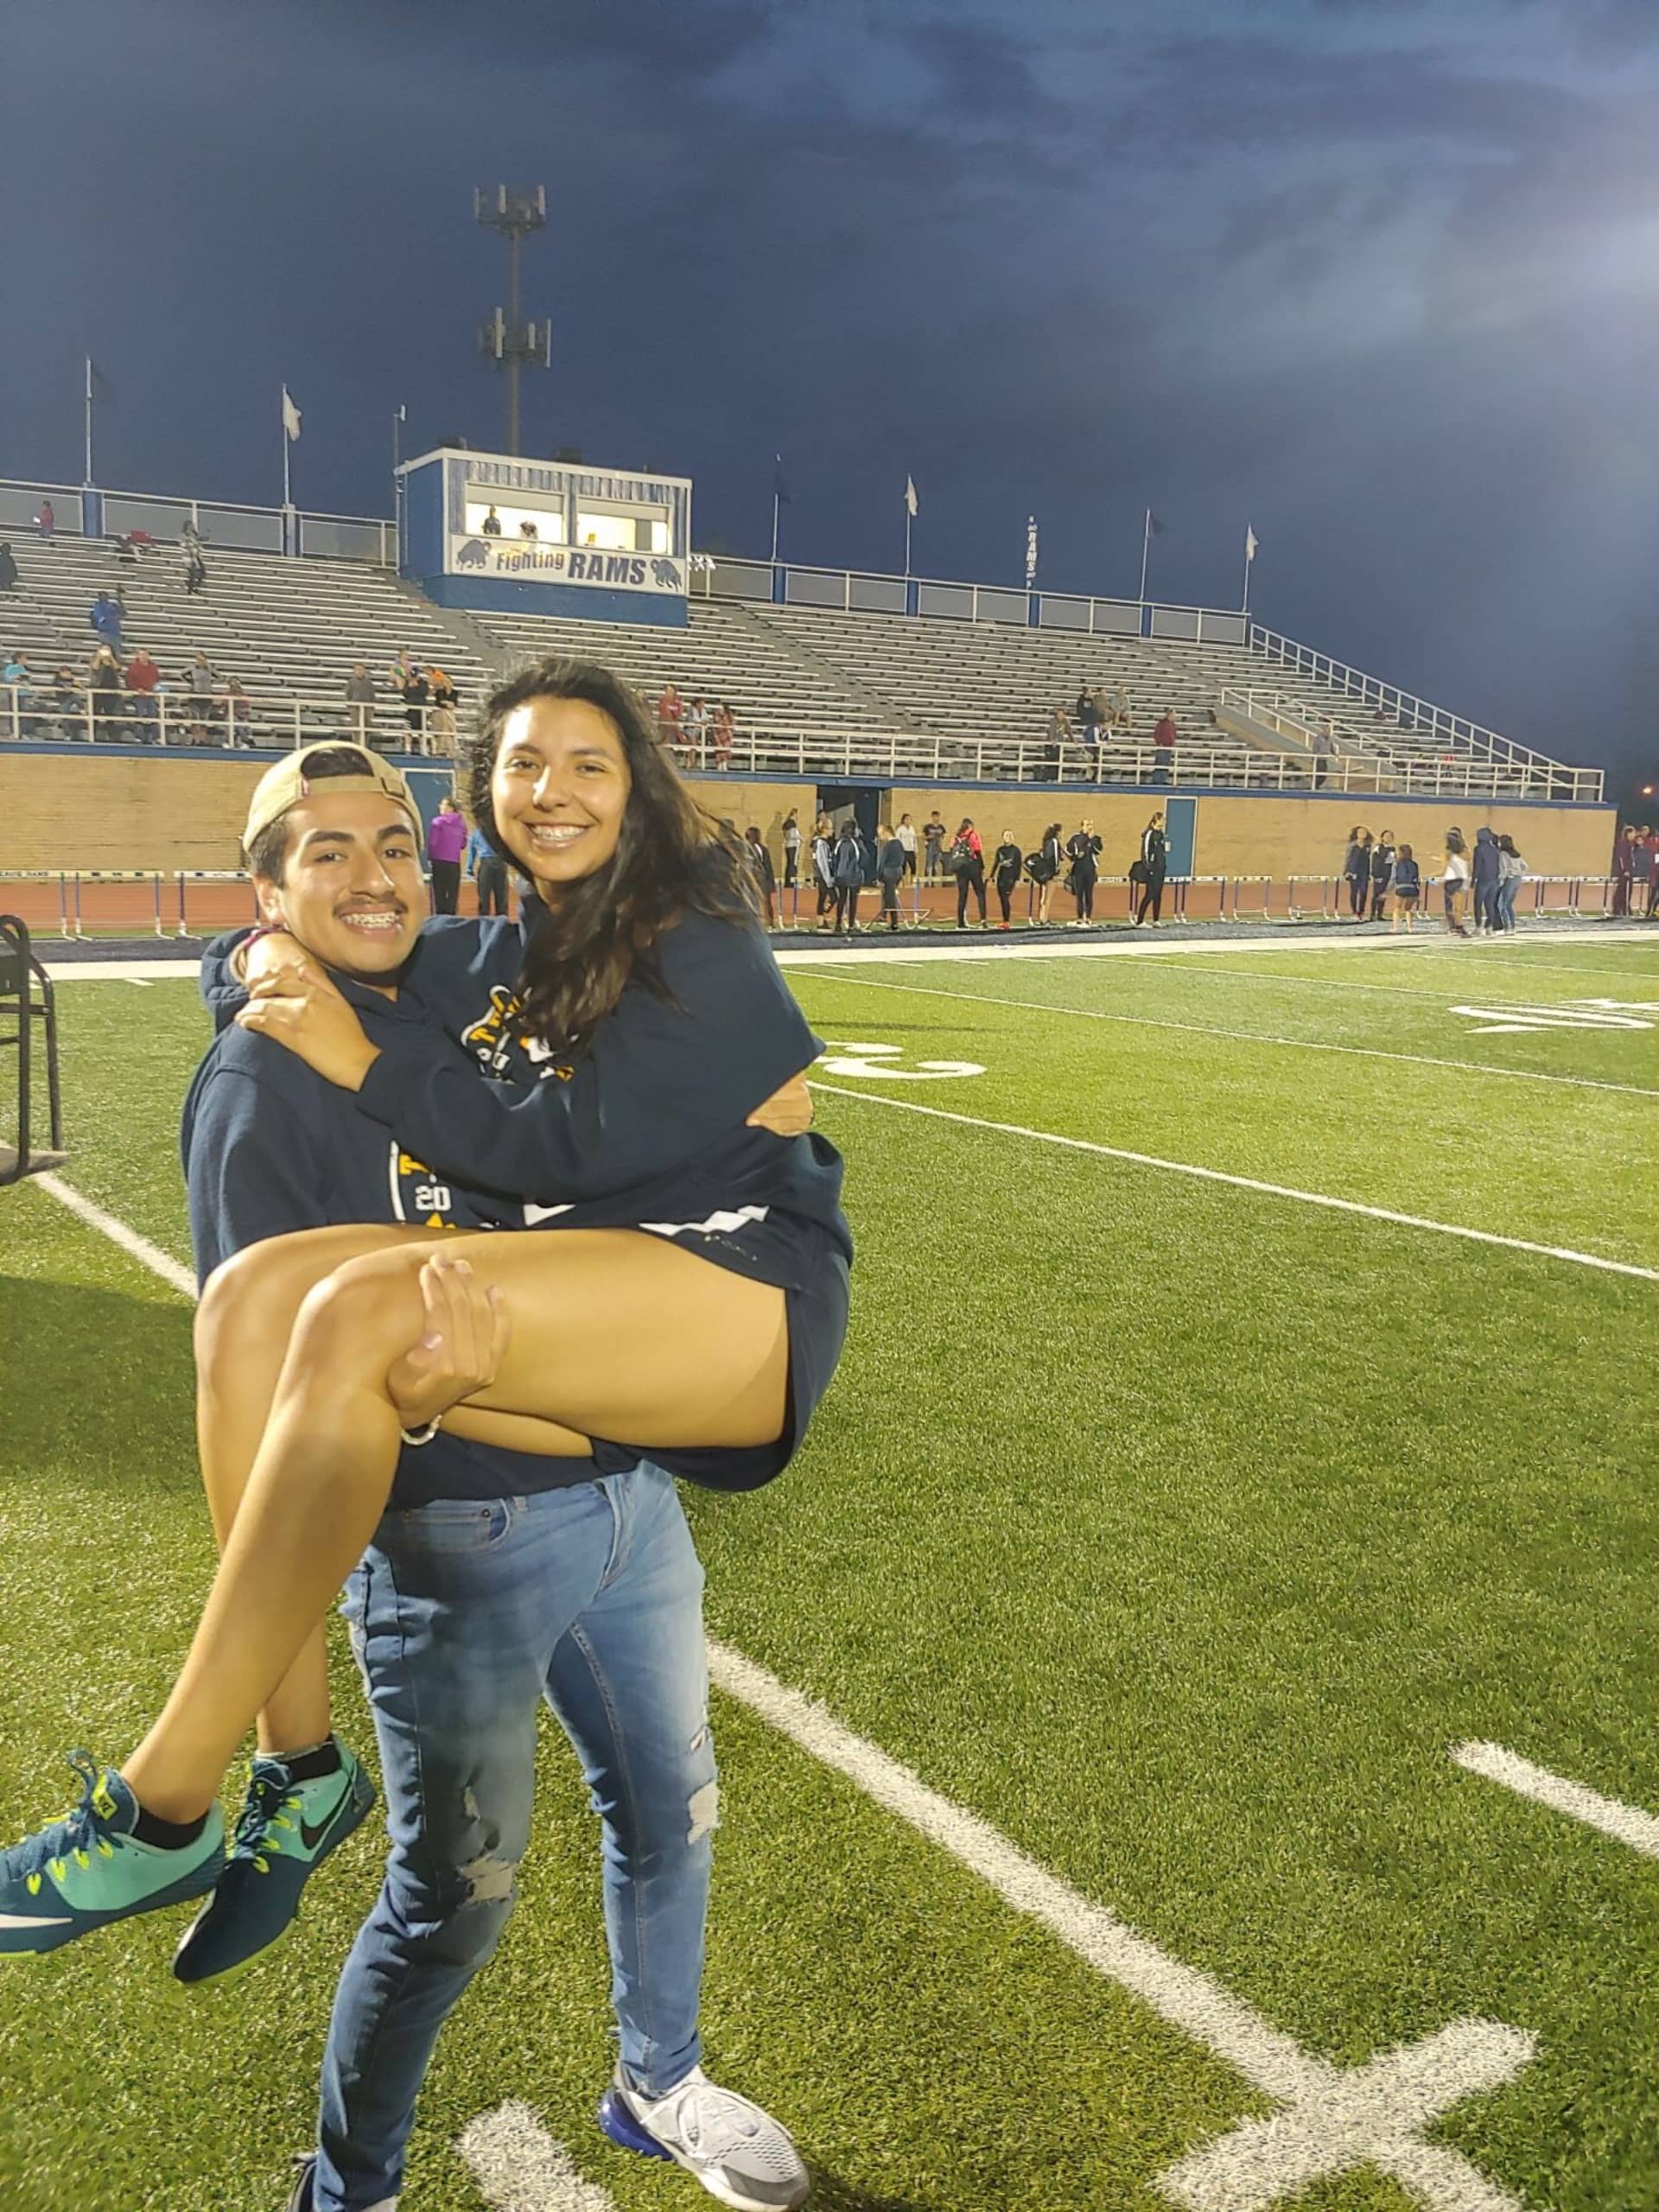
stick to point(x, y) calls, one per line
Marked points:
point(506, 339)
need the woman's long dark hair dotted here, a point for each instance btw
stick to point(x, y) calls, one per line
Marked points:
point(671, 856)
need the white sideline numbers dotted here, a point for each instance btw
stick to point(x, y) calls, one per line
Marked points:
point(1569, 1013)
point(878, 1059)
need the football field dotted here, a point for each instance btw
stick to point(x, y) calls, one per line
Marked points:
point(1187, 1719)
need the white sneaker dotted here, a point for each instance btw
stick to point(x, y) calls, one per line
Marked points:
point(738, 2152)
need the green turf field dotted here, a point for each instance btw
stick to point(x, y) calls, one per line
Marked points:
point(1177, 1529)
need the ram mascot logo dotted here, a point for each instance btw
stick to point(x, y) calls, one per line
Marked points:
point(667, 574)
point(492, 1038)
point(475, 554)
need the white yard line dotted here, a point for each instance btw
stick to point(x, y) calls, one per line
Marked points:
point(519, 2167)
point(1243, 1036)
point(1333, 2119)
point(1249, 1182)
point(1625, 1823)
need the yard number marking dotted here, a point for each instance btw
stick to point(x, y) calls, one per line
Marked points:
point(877, 1059)
point(1568, 1014)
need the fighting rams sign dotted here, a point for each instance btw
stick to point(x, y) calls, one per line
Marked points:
point(530, 563)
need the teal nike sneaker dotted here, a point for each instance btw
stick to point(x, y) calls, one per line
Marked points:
point(286, 1830)
point(88, 1869)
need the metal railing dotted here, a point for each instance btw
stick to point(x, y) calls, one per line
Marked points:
point(81, 905)
point(1452, 775)
point(280, 721)
point(83, 511)
point(1411, 712)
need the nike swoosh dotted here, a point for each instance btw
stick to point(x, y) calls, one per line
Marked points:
point(23, 1920)
point(311, 1837)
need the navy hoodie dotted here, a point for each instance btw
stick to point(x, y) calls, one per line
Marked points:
point(270, 1148)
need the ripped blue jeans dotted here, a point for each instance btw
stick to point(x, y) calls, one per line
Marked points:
point(464, 1616)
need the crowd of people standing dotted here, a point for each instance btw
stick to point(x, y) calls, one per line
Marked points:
point(1385, 881)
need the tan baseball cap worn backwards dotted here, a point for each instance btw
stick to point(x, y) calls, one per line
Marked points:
point(287, 784)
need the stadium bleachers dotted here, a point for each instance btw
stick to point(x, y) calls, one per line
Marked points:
point(963, 699)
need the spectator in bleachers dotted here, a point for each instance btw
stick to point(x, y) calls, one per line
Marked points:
point(440, 720)
point(933, 834)
point(528, 530)
point(104, 682)
point(491, 525)
point(199, 687)
point(46, 521)
point(1406, 890)
point(67, 700)
point(1006, 862)
point(15, 676)
point(695, 726)
point(140, 678)
point(1088, 717)
point(1118, 711)
point(360, 695)
point(1357, 872)
point(968, 865)
point(446, 840)
point(195, 569)
point(1103, 716)
point(1383, 856)
point(1150, 869)
point(847, 874)
point(792, 850)
point(724, 735)
point(9, 578)
point(416, 692)
point(906, 833)
point(671, 721)
point(1324, 742)
point(105, 620)
point(823, 874)
point(489, 872)
point(1163, 739)
point(1059, 733)
point(766, 874)
point(1083, 850)
point(237, 710)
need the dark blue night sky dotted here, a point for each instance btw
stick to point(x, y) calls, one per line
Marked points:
point(1376, 278)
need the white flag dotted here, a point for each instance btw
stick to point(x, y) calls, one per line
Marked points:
point(911, 503)
point(1250, 543)
point(291, 416)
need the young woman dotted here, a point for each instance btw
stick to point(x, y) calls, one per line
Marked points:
point(1044, 874)
point(1408, 889)
point(1083, 850)
point(792, 850)
point(1510, 869)
point(824, 878)
point(1150, 870)
point(1357, 872)
point(906, 833)
point(1006, 867)
point(967, 858)
point(889, 873)
point(689, 1301)
point(1382, 857)
point(1454, 883)
point(847, 873)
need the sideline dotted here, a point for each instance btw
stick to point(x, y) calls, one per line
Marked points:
point(1334, 2119)
point(1249, 1036)
point(1249, 1182)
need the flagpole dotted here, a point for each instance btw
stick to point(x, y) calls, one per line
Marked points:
point(1244, 603)
point(774, 525)
point(287, 441)
point(909, 518)
point(89, 420)
point(1146, 548)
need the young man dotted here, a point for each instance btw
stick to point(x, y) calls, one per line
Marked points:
point(496, 1578)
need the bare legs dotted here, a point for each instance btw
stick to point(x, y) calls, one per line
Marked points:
point(615, 1334)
